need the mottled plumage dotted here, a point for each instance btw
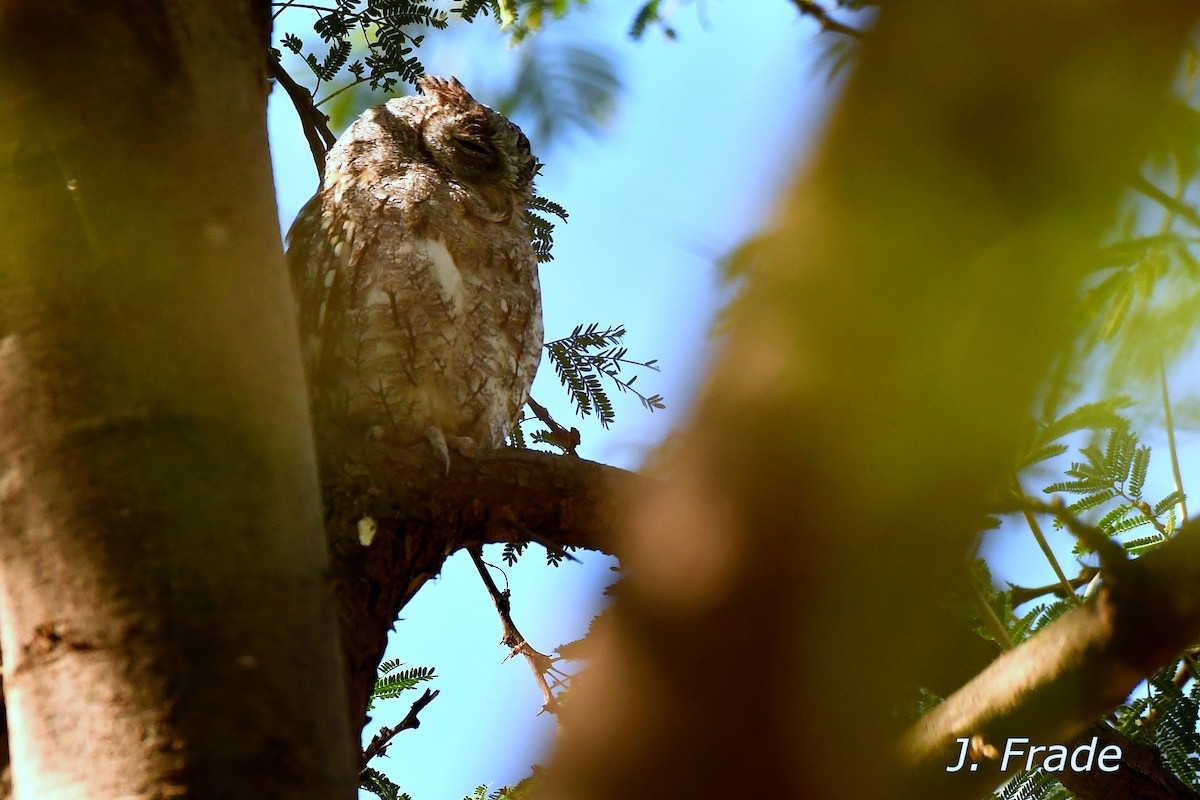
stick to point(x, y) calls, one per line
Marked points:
point(415, 278)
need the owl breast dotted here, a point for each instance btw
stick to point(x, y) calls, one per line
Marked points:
point(418, 291)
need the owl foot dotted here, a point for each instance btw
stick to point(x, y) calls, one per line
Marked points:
point(463, 445)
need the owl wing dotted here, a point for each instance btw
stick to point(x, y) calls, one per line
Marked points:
point(308, 254)
point(381, 307)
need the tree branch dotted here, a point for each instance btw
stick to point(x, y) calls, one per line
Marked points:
point(313, 122)
point(414, 517)
point(568, 440)
point(1023, 594)
point(1145, 187)
point(540, 663)
point(1141, 774)
point(1055, 685)
point(379, 743)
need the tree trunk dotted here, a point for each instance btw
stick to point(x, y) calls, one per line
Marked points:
point(165, 616)
point(785, 588)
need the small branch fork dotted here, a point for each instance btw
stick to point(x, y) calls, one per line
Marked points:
point(379, 744)
point(1113, 558)
point(541, 664)
point(313, 121)
point(568, 440)
point(1023, 594)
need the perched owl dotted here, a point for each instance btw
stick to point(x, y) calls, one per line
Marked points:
point(415, 278)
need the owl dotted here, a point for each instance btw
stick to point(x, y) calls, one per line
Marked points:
point(415, 278)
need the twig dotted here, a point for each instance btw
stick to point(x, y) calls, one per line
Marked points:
point(1145, 187)
point(990, 619)
point(541, 664)
point(381, 740)
point(1022, 594)
point(314, 123)
point(568, 440)
point(1162, 378)
point(818, 12)
point(1067, 589)
point(1113, 558)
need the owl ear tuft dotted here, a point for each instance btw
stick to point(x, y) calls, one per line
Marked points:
point(446, 90)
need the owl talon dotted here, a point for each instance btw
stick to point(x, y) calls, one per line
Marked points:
point(438, 441)
point(464, 445)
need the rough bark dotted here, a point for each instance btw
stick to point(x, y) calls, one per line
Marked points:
point(785, 582)
point(421, 516)
point(165, 615)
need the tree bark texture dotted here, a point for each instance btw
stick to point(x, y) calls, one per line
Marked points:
point(419, 516)
point(786, 587)
point(165, 615)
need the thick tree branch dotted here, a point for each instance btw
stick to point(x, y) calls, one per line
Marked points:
point(415, 517)
point(1141, 774)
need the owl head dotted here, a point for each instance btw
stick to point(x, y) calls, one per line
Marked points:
point(471, 142)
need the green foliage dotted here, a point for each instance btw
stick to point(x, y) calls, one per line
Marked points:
point(925, 702)
point(1118, 472)
point(1097, 416)
point(513, 552)
point(1032, 785)
point(541, 229)
point(554, 555)
point(1111, 478)
point(383, 31)
point(580, 369)
point(504, 793)
point(646, 16)
point(516, 438)
point(578, 649)
point(564, 86)
point(1175, 732)
point(1165, 717)
point(378, 784)
point(519, 17)
point(393, 681)
point(561, 86)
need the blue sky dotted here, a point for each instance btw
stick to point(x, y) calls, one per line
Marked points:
point(706, 132)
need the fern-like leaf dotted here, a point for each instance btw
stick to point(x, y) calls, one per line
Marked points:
point(1168, 502)
point(1090, 416)
point(580, 369)
point(393, 681)
point(378, 784)
point(1137, 475)
point(1143, 545)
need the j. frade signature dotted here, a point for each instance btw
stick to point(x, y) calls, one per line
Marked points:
point(1056, 758)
